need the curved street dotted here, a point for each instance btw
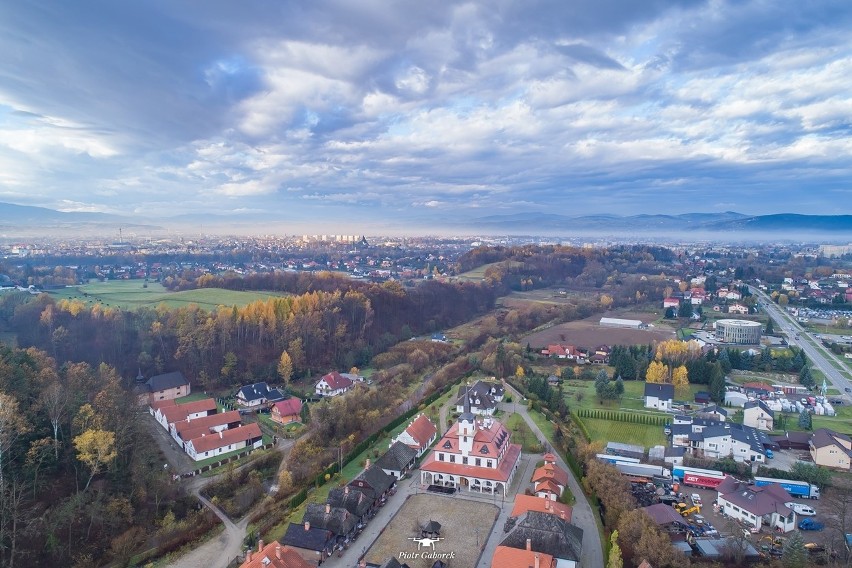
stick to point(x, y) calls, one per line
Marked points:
point(582, 515)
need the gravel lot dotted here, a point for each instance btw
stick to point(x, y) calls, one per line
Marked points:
point(466, 526)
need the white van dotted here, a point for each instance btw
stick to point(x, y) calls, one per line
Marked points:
point(802, 509)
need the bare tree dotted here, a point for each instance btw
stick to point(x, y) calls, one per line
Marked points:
point(836, 506)
point(54, 400)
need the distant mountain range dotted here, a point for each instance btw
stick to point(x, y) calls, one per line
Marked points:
point(21, 220)
point(728, 221)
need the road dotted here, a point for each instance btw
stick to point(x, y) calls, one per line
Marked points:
point(582, 515)
point(817, 354)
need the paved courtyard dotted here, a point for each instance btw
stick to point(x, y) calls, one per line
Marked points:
point(465, 527)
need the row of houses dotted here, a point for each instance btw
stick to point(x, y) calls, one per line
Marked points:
point(347, 510)
point(598, 355)
point(203, 432)
point(715, 438)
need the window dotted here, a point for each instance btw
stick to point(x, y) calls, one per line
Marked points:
point(440, 456)
point(478, 462)
point(464, 460)
point(452, 458)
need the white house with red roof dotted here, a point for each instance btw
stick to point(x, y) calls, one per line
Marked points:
point(194, 427)
point(549, 480)
point(418, 435)
point(218, 443)
point(167, 412)
point(560, 351)
point(671, 303)
point(333, 384)
point(474, 455)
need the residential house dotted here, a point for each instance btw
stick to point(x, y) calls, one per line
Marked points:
point(356, 502)
point(419, 434)
point(508, 557)
point(666, 517)
point(313, 544)
point(333, 384)
point(167, 386)
point(547, 534)
point(374, 483)
point(286, 411)
point(758, 415)
point(831, 449)
point(273, 555)
point(702, 397)
point(757, 506)
point(525, 503)
point(398, 460)
point(793, 440)
point(671, 303)
point(439, 337)
point(560, 351)
point(167, 412)
point(713, 439)
point(474, 454)
point(216, 444)
point(738, 309)
point(338, 520)
point(714, 412)
point(483, 397)
point(191, 428)
point(549, 480)
point(258, 395)
point(659, 396)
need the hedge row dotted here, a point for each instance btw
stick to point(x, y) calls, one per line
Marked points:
point(621, 416)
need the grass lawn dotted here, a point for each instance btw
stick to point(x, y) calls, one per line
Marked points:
point(193, 396)
point(130, 294)
point(625, 432)
point(632, 399)
point(546, 426)
point(521, 433)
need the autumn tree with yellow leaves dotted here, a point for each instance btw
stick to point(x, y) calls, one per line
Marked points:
point(95, 449)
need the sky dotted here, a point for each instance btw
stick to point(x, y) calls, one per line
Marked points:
point(336, 113)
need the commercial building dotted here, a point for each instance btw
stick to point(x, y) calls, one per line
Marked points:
point(742, 332)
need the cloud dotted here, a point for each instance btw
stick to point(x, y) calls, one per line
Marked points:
point(161, 108)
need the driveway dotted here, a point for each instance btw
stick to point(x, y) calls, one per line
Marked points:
point(582, 515)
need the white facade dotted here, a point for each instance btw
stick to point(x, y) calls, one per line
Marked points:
point(198, 456)
point(772, 520)
point(757, 417)
point(724, 445)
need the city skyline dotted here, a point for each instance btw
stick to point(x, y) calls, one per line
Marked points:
point(425, 114)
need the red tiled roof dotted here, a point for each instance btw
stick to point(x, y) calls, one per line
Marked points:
point(162, 404)
point(181, 411)
point(335, 381)
point(548, 486)
point(501, 473)
point(288, 407)
point(183, 427)
point(508, 557)
point(232, 436)
point(524, 503)
point(422, 430)
point(551, 471)
point(274, 555)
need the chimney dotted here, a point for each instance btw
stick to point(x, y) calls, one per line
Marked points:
point(278, 551)
point(220, 435)
point(260, 545)
point(536, 560)
point(327, 508)
point(307, 525)
point(529, 544)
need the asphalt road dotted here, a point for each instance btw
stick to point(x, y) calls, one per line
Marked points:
point(818, 355)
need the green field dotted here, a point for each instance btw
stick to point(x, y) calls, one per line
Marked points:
point(631, 400)
point(625, 432)
point(521, 433)
point(130, 294)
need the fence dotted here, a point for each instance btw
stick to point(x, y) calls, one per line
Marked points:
point(222, 462)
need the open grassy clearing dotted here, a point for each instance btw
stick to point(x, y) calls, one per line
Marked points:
point(632, 399)
point(520, 433)
point(625, 432)
point(130, 294)
point(478, 273)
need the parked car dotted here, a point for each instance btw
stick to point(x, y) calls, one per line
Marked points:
point(769, 454)
point(811, 524)
point(802, 509)
point(696, 499)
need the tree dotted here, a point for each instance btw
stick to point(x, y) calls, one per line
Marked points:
point(685, 309)
point(285, 368)
point(54, 400)
point(96, 449)
point(811, 473)
point(680, 378)
point(716, 385)
point(805, 420)
point(770, 327)
point(229, 369)
point(805, 378)
point(657, 372)
point(794, 554)
point(519, 372)
point(12, 426)
point(606, 301)
point(614, 560)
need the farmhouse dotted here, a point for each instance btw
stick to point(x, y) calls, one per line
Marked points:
point(192, 428)
point(547, 534)
point(549, 480)
point(167, 387)
point(336, 520)
point(758, 415)
point(354, 501)
point(831, 449)
point(476, 455)
point(671, 303)
point(482, 397)
point(333, 384)
point(418, 435)
point(219, 443)
point(273, 555)
point(257, 395)
point(398, 460)
point(168, 412)
point(286, 411)
point(313, 544)
point(757, 506)
point(374, 483)
point(659, 396)
point(560, 351)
